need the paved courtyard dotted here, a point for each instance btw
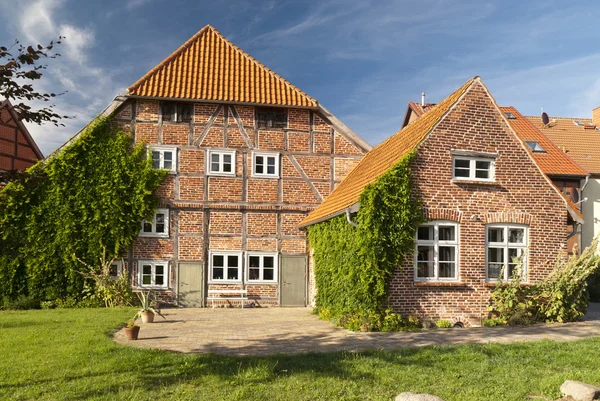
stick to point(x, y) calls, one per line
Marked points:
point(294, 330)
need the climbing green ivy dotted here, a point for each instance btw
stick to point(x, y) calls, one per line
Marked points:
point(91, 195)
point(353, 265)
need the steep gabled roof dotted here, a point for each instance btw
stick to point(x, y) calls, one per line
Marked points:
point(552, 161)
point(381, 158)
point(417, 109)
point(6, 105)
point(210, 67)
point(580, 143)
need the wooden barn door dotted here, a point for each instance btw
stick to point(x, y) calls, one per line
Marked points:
point(293, 281)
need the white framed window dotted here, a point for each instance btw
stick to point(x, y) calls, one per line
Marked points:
point(153, 273)
point(265, 164)
point(221, 162)
point(225, 266)
point(114, 270)
point(158, 226)
point(472, 168)
point(436, 256)
point(505, 245)
point(164, 158)
point(261, 267)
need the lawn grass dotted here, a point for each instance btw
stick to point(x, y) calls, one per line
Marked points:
point(66, 354)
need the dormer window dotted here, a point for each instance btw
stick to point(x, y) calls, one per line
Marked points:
point(577, 122)
point(271, 118)
point(177, 112)
point(535, 146)
point(472, 168)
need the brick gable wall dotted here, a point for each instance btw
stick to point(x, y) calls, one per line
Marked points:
point(241, 212)
point(520, 194)
point(15, 151)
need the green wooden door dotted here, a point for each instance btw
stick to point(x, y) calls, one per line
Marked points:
point(190, 284)
point(293, 281)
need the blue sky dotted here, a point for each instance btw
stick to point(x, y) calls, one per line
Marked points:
point(363, 60)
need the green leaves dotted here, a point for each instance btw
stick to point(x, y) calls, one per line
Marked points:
point(92, 195)
point(353, 265)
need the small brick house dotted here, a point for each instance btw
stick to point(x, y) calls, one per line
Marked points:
point(486, 200)
point(249, 156)
point(18, 150)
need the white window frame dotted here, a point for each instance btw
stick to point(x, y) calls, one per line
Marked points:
point(225, 254)
point(161, 150)
point(436, 243)
point(233, 155)
point(277, 157)
point(472, 168)
point(153, 263)
point(505, 245)
point(153, 233)
point(262, 255)
point(119, 265)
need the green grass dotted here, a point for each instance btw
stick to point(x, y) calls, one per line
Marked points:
point(67, 355)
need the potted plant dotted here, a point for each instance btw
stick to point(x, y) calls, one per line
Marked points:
point(147, 311)
point(132, 330)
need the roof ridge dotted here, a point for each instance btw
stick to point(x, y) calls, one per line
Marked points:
point(560, 118)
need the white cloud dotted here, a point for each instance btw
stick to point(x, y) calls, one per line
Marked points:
point(131, 4)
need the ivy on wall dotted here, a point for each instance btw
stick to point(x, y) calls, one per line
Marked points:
point(353, 265)
point(92, 195)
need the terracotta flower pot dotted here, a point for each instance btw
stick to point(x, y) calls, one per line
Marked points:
point(132, 333)
point(147, 317)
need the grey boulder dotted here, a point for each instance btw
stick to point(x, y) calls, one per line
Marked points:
point(417, 397)
point(580, 391)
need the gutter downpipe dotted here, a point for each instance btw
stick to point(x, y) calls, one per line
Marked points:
point(353, 224)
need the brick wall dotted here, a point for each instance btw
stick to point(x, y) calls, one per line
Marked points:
point(240, 213)
point(520, 194)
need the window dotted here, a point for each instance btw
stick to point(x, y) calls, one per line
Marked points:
point(472, 168)
point(535, 146)
point(114, 269)
point(577, 122)
point(437, 252)
point(265, 165)
point(158, 227)
point(221, 162)
point(505, 245)
point(262, 267)
point(153, 273)
point(164, 158)
point(177, 112)
point(271, 118)
point(510, 116)
point(225, 266)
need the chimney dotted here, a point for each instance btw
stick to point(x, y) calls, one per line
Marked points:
point(596, 116)
point(423, 102)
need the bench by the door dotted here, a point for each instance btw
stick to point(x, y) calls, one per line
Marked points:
point(213, 295)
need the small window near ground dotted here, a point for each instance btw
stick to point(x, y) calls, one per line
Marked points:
point(177, 112)
point(158, 226)
point(535, 146)
point(472, 168)
point(506, 248)
point(437, 252)
point(164, 158)
point(265, 165)
point(114, 269)
point(271, 118)
point(225, 266)
point(153, 273)
point(221, 162)
point(262, 267)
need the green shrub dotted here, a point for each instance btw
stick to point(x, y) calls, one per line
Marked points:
point(493, 322)
point(22, 302)
point(443, 324)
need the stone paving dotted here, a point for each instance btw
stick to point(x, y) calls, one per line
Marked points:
point(267, 331)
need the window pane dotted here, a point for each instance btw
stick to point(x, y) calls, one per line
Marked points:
point(483, 174)
point(160, 270)
point(496, 255)
point(516, 235)
point(185, 112)
point(268, 274)
point(271, 170)
point(447, 270)
point(147, 269)
point(447, 254)
point(147, 280)
point(113, 270)
point(482, 165)
point(215, 157)
point(147, 227)
point(218, 260)
point(227, 158)
point(217, 273)
point(425, 233)
point(254, 274)
point(214, 167)
point(233, 261)
point(168, 155)
point(155, 159)
point(461, 173)
point(462, 163)
point(271, 161)
point(232, 273)
point(259, 160)
point(494, 270)
point(160, 223)
point(227, 167)
point(268, 261)
point(425, 269)
point(447, 233)
point(514, 254)
point(425, 253)
point(496, 234)
point(159, 280)
point(168, 164)
point(254, 261)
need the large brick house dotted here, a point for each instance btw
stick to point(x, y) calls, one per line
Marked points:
point(249, 156)
point(486, 200)
point(18, 150)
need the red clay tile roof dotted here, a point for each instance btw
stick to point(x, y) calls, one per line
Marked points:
point(210, 67)
point(381, 158)
point(553, 161)
point(420, 109)
point(582, 144)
